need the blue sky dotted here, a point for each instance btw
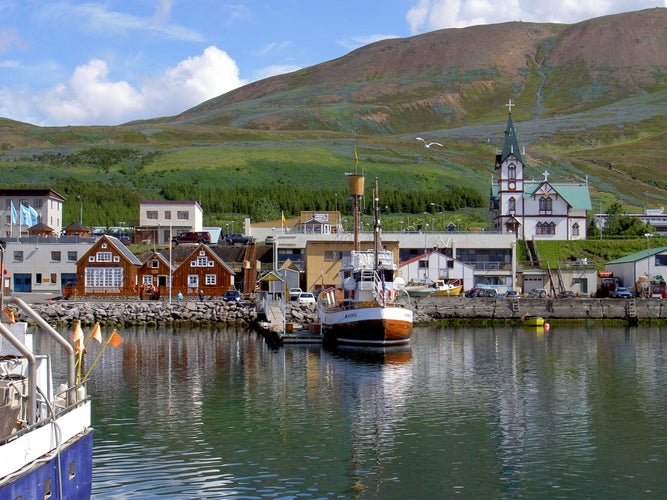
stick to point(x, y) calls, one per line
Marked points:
point(69, 62)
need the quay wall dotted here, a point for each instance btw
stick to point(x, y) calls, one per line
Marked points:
point(427, 309)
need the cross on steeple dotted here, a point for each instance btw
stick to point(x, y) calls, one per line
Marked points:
point(510, 105)
point(546, 176)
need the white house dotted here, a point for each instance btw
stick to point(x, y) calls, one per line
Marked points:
point(435, 265)
point(45, 205)
point(159, 220)
point(632, 268)
point(535, 209)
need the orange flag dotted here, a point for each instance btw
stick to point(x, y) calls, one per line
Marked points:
point(77, 336)
point(115, 339)
point(96, 333)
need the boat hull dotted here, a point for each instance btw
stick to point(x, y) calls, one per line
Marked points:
point(368, 326)
point(44, 479)
point(533, 321)
point(456, 290)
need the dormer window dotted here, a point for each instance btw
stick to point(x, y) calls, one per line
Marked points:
point(546, 205)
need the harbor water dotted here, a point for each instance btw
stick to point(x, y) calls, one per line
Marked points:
point(576, 412)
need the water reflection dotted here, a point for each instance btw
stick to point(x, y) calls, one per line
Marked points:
point(493, 412)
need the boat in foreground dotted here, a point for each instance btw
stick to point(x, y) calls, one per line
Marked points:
point(46, 438)
point(364, 310)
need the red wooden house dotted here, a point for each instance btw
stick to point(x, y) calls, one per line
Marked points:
point(108, 268)
point(154, 276)
point(201, 270)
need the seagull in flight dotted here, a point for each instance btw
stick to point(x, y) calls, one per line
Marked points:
point(429, 144)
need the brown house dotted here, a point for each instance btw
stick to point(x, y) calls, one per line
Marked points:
point(108, 268)
point(154, 276)
point(202, 270)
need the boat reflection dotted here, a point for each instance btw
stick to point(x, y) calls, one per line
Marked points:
point(373, 355)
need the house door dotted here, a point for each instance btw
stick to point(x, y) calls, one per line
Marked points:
point(23, 283)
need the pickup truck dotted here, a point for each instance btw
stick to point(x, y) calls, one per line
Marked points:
point(192, 237)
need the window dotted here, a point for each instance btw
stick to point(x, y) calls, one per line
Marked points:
point(8, 219)
point(38, 278)
point(155, 263)
point(37, 204)
point(193, 280)
point(103, 257)
point(182, 215)
point(151, 214)
point(55, 256)
point(423, 264)
point(103, 277)
point(147, 279)
point(201, 261)
point(575, 229)
point(211, 279)
point(54, 278)
point(546, 205)
point(511, 171)
point(660, 260)
point(167, 214)
point(545, 228)
point(18, 255)
point(333, 255)
point(512, 204)
point(72, 256)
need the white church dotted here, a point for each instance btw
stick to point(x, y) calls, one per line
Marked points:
point(535, 209)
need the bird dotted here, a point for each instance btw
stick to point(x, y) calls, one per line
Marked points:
point(429, 144)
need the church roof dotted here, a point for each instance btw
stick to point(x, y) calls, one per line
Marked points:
point(576, 195)
point(511, 142)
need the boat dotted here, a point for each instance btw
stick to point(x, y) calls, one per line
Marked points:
point(46, 441)
point(419, 290)
point(363, 310)
point(450, 287)
point(532, 320)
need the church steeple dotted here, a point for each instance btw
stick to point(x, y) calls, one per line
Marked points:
point(511, 142)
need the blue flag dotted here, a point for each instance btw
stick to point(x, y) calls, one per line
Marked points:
point(14, 214)
point(25, 215)
point(34, 216)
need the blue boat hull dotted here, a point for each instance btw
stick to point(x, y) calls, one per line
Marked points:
point(41, 481)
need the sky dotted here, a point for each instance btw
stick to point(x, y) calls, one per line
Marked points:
point(68, 62)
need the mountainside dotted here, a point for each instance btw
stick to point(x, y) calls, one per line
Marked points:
point(591, 104)
point(455, 77)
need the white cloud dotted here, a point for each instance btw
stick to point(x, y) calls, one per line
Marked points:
point(89, 98)
point(428, 15)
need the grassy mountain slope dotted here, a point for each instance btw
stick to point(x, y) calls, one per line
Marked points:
point(591, 103)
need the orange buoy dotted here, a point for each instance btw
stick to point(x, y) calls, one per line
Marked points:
point(547, 326)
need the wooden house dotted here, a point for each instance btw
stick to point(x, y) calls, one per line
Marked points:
point(154, 276)
point(108, 268)
point(201, 270)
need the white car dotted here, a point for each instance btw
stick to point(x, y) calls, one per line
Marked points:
point(306, 298)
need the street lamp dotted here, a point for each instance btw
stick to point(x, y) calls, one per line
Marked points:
point(444, 222)
point(80, 209)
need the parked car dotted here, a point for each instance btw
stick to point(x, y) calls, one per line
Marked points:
point(232, 296)
point(475, 292)
point(294, 293)
point(512, 294)
point(232, 238)
point(489, 292)
point(620, 292)
point(538, 293)
point(192, 237)
point(566, 294)
point(306, 298)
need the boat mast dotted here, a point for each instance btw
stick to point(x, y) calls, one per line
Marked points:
point(355, 189)
point(376, 223)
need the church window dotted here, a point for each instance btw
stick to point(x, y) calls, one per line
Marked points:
point(546, 205)
point(511, 171)
point(512, 204)
point(575, 229)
